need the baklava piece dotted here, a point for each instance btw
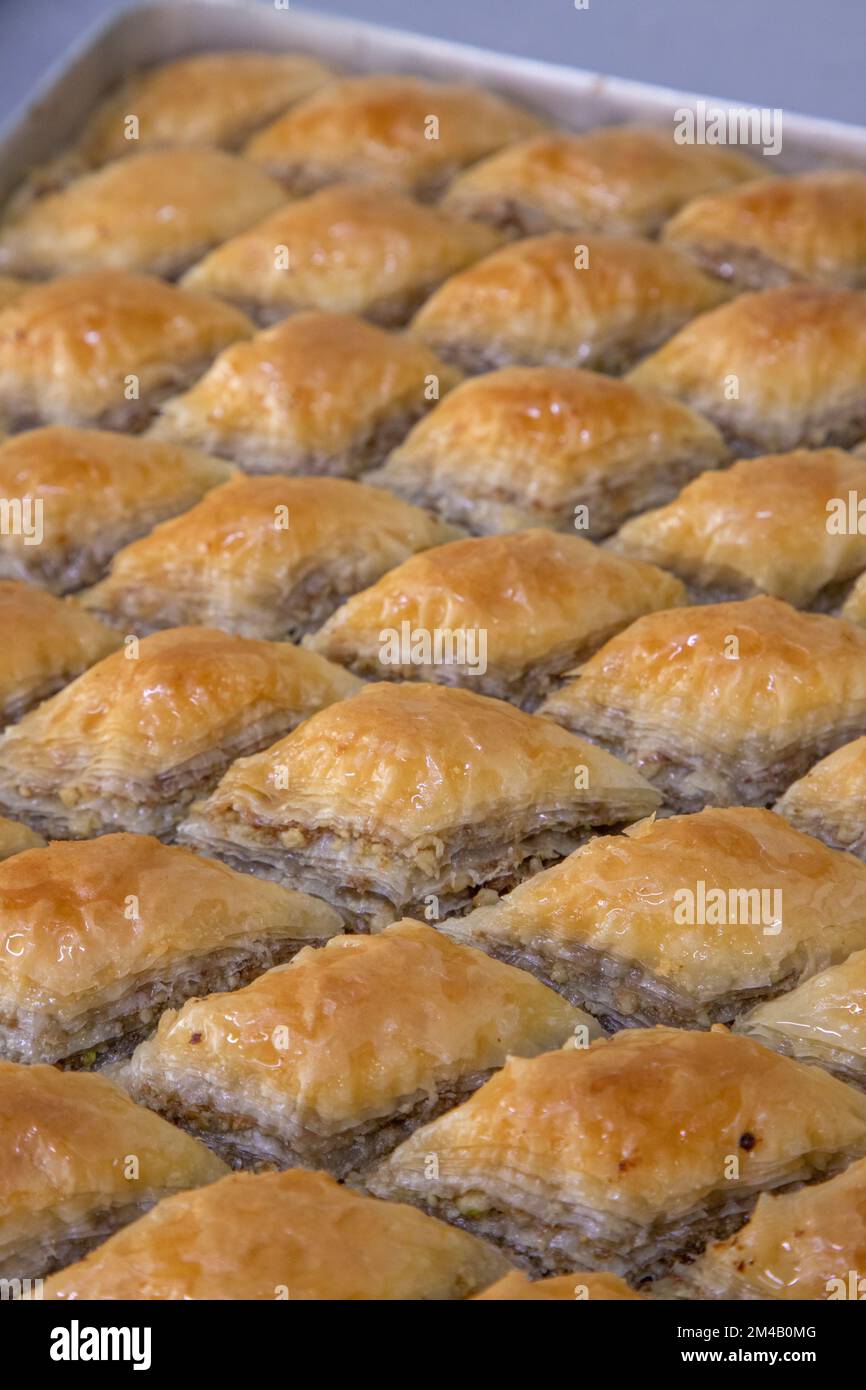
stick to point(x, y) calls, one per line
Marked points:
point(347, 250)
point(267, 557)
point(84, 494)
point(78, 1160)
point(401, 132)
point(503, 615)
point(684, 921)
point(15, 837)
point(627, 1154)
point(558, 301)
point(11, 288)
point(625, 179)
point(725, 704)
point(407, 799)
point(319, 393)
point(771, 232)
point(781, 369)
point(295, 1236)
point(333, 1060)
point(809, 1244)
point(98, 937)
point(549, 446)
point(773, 525)
point(830, 800)
point(104, 348)
point(45, 642)
point(128, 745)
point(854, 607)
point(577, 1288)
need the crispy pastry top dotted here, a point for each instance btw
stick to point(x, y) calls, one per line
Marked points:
point(15, 837)
point(826, 1013)
point(45, 640)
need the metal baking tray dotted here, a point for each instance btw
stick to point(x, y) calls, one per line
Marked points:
point(150, 33)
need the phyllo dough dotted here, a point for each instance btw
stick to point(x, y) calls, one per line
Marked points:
point(10, 288)
point(559, 301)
point(105, 347)
point(725, 704)
point(266, 557)
point(98, 937)
point(156, 213)
point(774, 525)
point(90, 492)
point(809, 1244)
point(388, 129)
point(685, 921)
point(45, 642)
point(549, 446)
point(770, 232)
point(854, 607)
point(78, 1160)
point(282, 1236)
point(15, 837)
point(333, 1060)
point(627, 1154)
point(624, 179)
point(830, 801)
point(781, 369)
point(513, 613)
point(407, 799)
point(348, 250)
point(318, 393)
point(578, 1288)
point(134, 740)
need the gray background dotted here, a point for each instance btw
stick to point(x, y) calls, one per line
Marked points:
point(802, 55)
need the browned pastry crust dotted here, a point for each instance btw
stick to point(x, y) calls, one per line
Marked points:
point(578, 1288)
point(830, 800)
point(15, 837)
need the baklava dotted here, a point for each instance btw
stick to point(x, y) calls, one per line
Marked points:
point(686, 921)
point(725, 704)
point(45, 642)
point(578, 1288)
point(105, 347)
point(854, 607)
point(347, 250)
point(331, 1061)
point(624, 179)
point(777, 370)
point(318, 393)
point(503, 615)
point(830, 800)
point(549, 446)
point(128, 745)
point(98, 937)
point(11, 287)
point(78, 1160)
point(85, 494)
point(388, 129)
point(407, 799)
point(627, 1154)
point(15, 837)
point(267, 557)
point(773, 231)
point(295, 1236)
point(558, 301)
point(773, 525)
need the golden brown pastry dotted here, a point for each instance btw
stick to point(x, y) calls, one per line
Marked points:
point(625, 1154)
point(686, 921)
point(407, 799)
point(155, 212)
point(348, 250)
point(105, 348)
point(624, 179)
point(15, 837)
point(830, 800)
point(266, 557)
point(564, 301)
point(806, 227)
point(98, 937)
point(809, 1244)
point(721, 705)
point(298, 1236)
point(578, 1288)
point(84, 494)
point(10, 288)
point(402, 132)
point(774, 525)
point(782, 369)
point(503, 615)
point(77, 1161)
point(331, 1061)
point(549, 446)
point(45, 642)
point(319, 393)
point(134, 740)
